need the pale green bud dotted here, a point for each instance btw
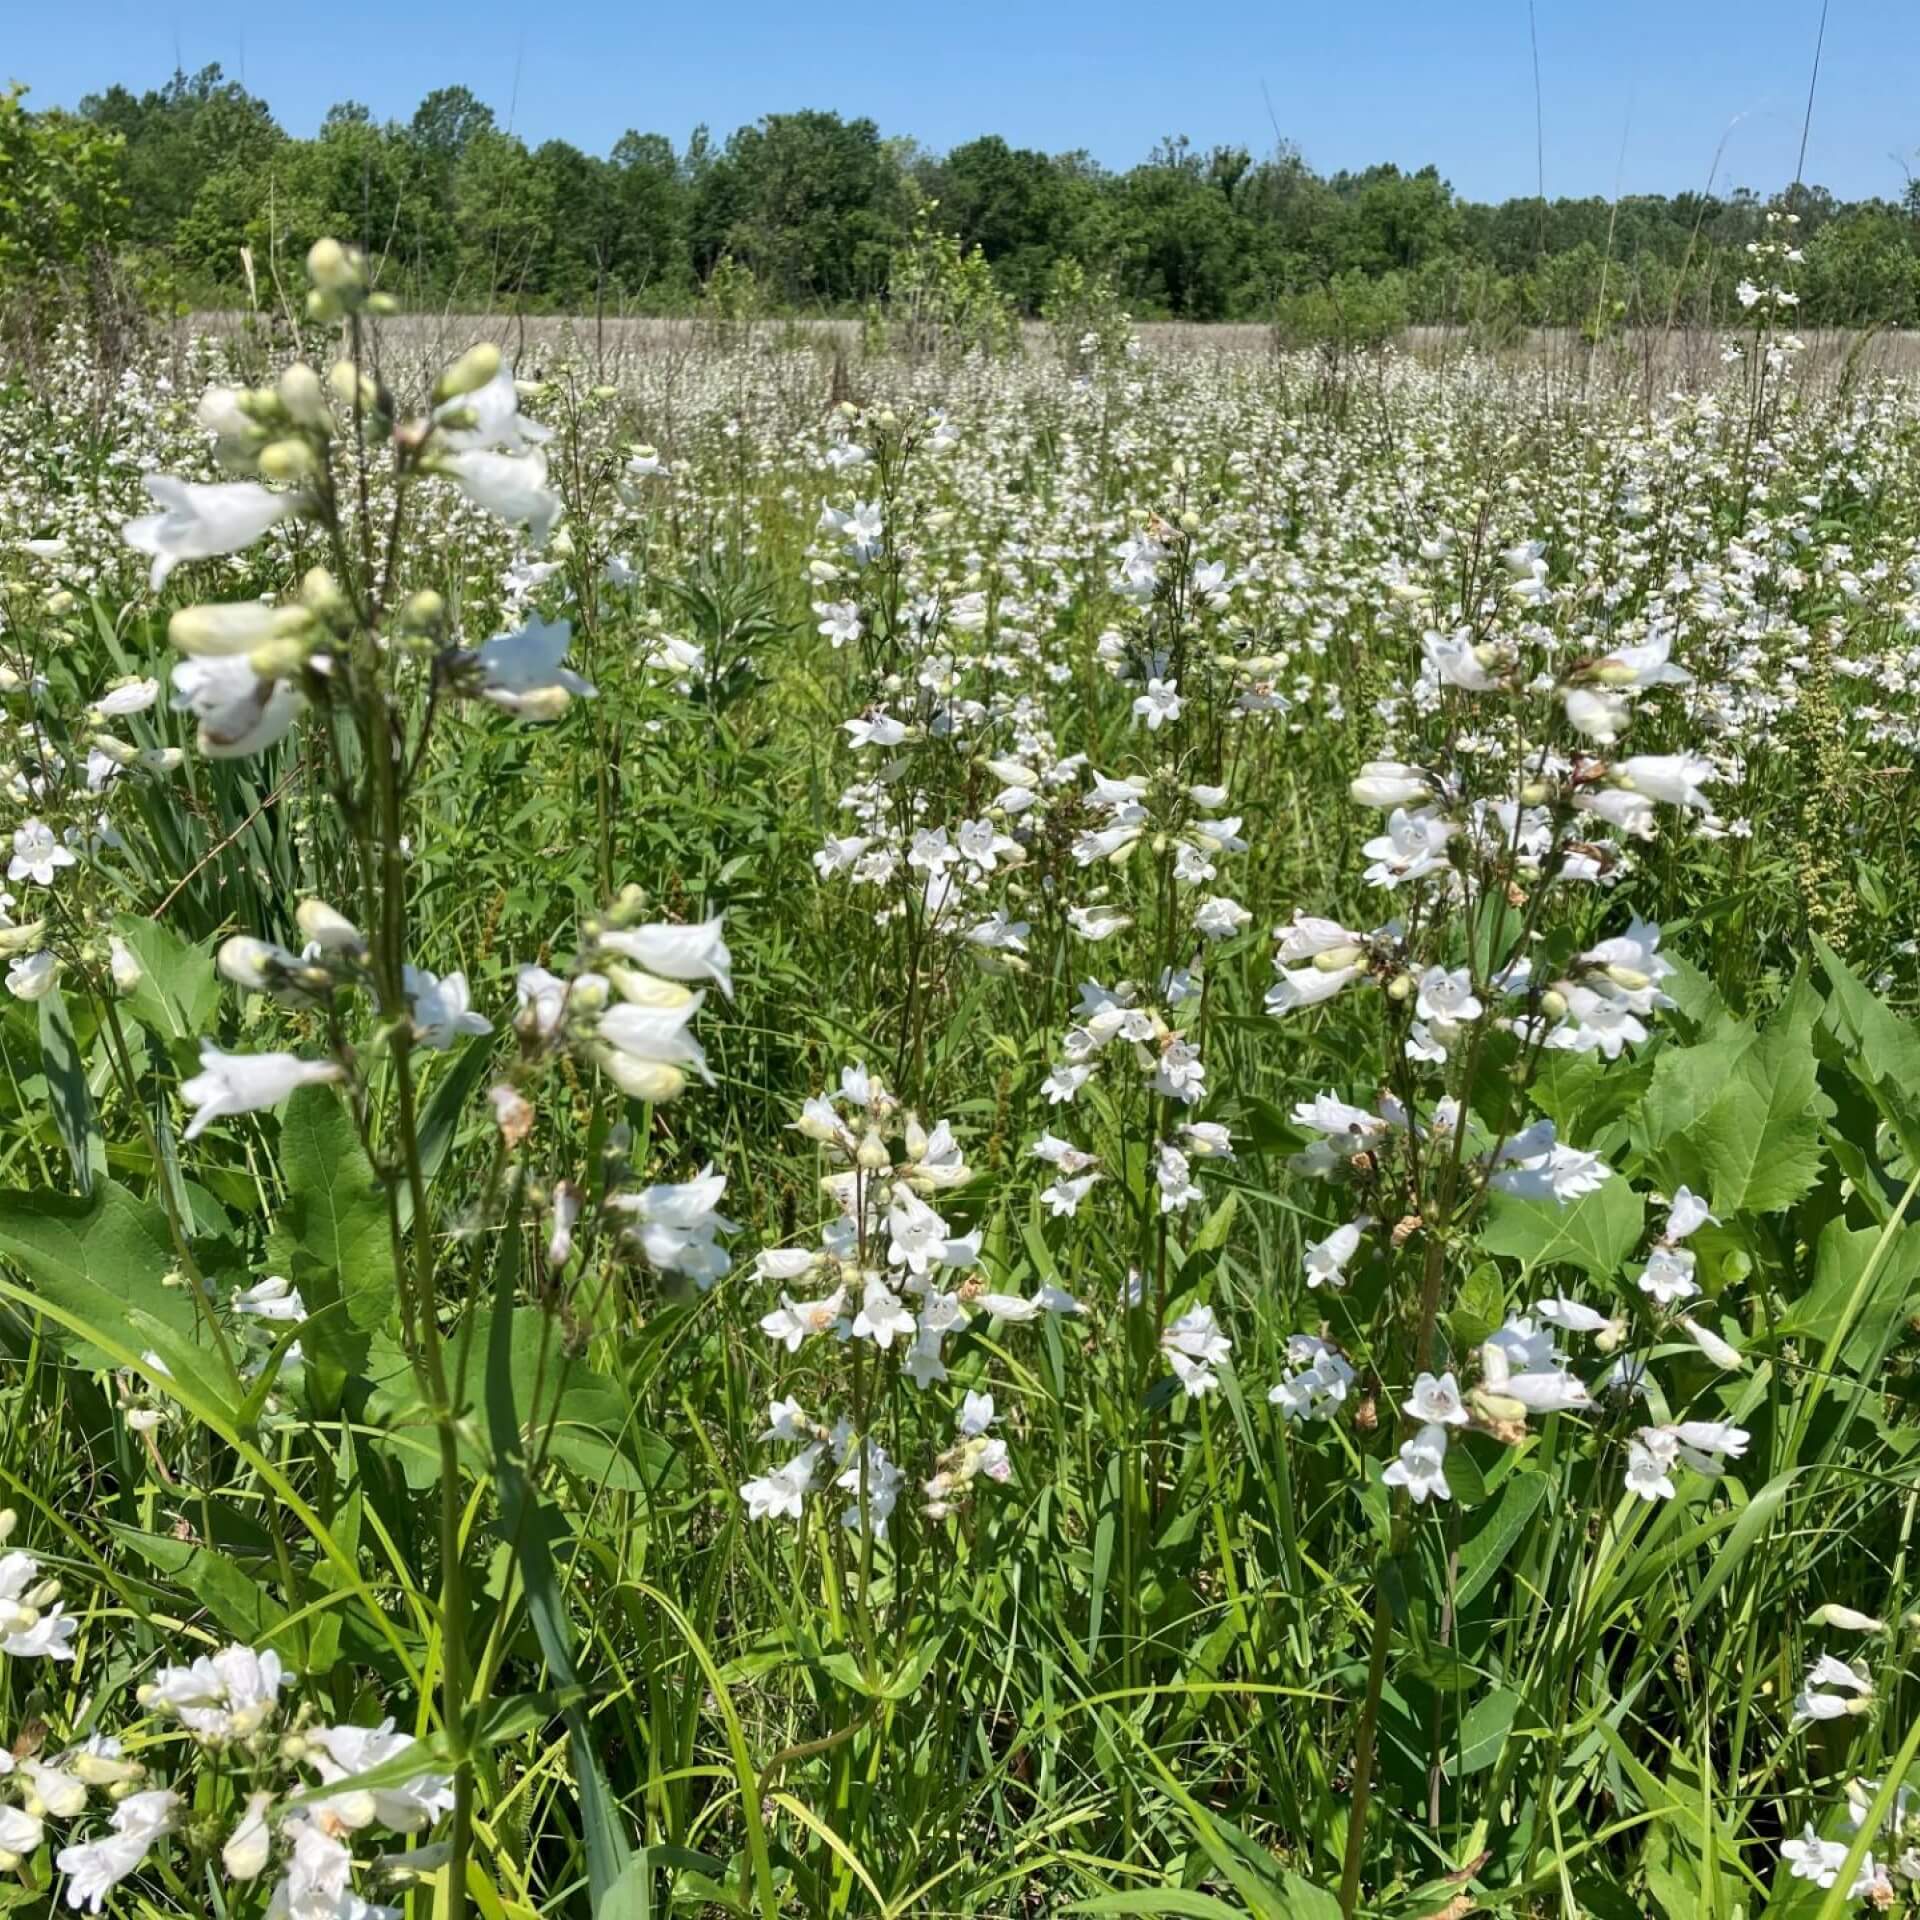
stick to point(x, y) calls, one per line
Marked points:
point(469, 373)
point(425, 612)
point(287, 460)
point(336, 269)
point(301, 394)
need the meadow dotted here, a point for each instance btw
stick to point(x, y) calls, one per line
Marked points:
point(803, 1128)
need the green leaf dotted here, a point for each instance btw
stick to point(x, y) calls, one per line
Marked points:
point(100, 1258)
point(237, 1601)
point(1742, 1113)
point(1848, 1301)
point(336, 1210)
point(178, 994)
point(1170, 1900)
point(1883, 1049)
point(1484, 1730)
point(1486, 1548)
point(1594, 1233)
point(73, 1112)
point(440, 1119)
point(528, 1526)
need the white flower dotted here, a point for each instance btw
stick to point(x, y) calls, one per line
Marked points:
point(124, 965)
point(1447, 997)
point(344, 1752)
point(96, 1867)
point(53, 1790)
point(130, 697)
point(1160, 703)
point(490, 416)
point(1195, 1346)
point(1220, 918)
point(230, 1083)
point(1667, 1276)
point(976, 1413)
point(1390, 783)
point(882, 1318)
point(645, 1047)
point(1832, 1691)
point(37, 854)
point(1811, 1858)
point(273, 1298)
point(1719, 1351)
point(249, 1846)
point(441, 1008)
point(1421, 1467)
point(1572, 1315)
point(239, 713)
point(511, 486)
point(198, 522)
point(1650, 1460)
point(1436, 1402)
point(31, 976)
point(1326, 1260)
point(525, 672)
point(1687, 1215)
point(1097, 923)
point(20, 1832)
point(696, 951)
point(794, 1321)
point(782, 1494)
point(675, 1223)
point(1675, 778)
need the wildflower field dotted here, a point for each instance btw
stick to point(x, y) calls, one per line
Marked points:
point(1096, 1130)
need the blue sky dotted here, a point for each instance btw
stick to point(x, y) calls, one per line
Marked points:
point(1638, 94)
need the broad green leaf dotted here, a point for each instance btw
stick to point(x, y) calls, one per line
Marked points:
point(99, 1258)
point(73, 1111)
point(178, 993)
point(335, 1211)
point(1743, 1112)
point(1594, 1233)
point(1837, 1300)
point(238, 1602)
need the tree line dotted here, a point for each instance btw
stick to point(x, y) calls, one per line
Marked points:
point(196, 186)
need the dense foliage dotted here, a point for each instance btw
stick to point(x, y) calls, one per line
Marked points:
point(452, 207)
point(1097, 1132)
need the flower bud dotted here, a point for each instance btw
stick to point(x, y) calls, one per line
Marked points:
point(280, 658)
point(330, 931)
point(228, 627)
point(336, 269)
point(425, 612)
point(287, 460)
point(1553, 1003)
point(1400, 987)
point(469, 373)
point(648, 1080)
point(320, 594)
point(350, 384)
point(123, 965)
point(301, 394)
point(117, 751)
point(1845, 1619)
point(1630, 978)
point(1334, 958)
point(383, 303)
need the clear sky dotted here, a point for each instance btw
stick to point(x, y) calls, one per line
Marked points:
point(1637, 94)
